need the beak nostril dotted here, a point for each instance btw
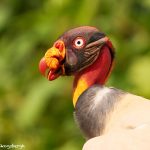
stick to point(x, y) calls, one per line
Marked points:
point(59, 45)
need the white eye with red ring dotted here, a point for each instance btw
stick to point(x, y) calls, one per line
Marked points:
point(79, 43)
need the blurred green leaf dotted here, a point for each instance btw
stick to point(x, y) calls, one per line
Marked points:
point(139, 74)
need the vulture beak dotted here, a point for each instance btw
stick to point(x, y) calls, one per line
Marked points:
point(51, 65)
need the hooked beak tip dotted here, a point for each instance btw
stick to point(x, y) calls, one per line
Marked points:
point(42, 66)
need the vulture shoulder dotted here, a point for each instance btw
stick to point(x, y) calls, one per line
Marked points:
point(100, 110)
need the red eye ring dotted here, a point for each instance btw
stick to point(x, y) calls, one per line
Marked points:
point(79, 42)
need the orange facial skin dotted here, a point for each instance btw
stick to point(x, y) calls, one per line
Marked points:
point(52, 61)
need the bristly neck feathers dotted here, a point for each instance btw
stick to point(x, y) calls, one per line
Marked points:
point(97, 73)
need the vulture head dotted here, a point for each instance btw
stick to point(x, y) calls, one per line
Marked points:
point(84, 52)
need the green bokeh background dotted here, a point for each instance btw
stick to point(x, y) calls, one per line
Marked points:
point(38, 113)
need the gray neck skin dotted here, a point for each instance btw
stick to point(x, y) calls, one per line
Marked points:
point(93, 108)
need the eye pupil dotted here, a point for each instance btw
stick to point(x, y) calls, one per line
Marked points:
point(78, 42)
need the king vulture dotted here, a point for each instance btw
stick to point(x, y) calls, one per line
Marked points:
point(88, 55)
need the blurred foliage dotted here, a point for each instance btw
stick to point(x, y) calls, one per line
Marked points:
point(38, 113)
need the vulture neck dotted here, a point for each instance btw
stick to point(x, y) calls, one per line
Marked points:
point(97, 73)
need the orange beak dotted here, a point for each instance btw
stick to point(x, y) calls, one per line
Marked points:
point(51, 65)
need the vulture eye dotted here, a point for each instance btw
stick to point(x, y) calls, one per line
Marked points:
point(79, 42)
